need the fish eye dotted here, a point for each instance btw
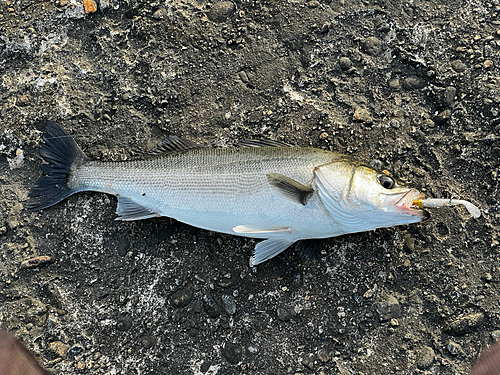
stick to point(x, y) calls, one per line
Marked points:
point(387, 182)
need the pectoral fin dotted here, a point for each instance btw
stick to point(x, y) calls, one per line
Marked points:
point(128, 210)
point(268, 249)
point(292, 189)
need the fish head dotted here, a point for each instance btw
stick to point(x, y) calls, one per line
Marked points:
point(366, 198)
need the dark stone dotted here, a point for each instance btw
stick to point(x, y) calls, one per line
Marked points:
point(211, 307)
point(122, 245)
point(448, 97)
point(229, 304)
point(443, 116)
point(425, 357)
point(388, 308)
point(148, 341)
point(75, 350)
point(221, 11)
point(464, 324)
point(124, 323)
point(345, 63)
point(413, 83)
point(372, 46)
point(205, 366)
point(232, 353)
point(285, 313)
point(183, 297)
point(458, 66)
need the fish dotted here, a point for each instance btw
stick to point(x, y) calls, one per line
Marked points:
point(260, 189)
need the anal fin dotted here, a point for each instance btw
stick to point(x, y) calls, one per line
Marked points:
point(268, 249)
point(128, 210)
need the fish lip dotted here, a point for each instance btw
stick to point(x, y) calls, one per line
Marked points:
point(406, 203)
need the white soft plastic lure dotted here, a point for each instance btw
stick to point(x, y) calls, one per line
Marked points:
point(439, 202)
point(262, 189)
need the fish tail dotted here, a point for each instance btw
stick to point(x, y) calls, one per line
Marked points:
point(62, 156)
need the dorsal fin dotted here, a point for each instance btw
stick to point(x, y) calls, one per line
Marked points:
point(262, 143)
point(172, 144)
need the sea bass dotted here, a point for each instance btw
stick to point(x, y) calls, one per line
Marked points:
point(262, 189)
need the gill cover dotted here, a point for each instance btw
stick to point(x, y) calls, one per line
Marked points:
point(359, 199)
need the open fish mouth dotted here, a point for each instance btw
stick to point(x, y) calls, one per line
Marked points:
point(407, 203)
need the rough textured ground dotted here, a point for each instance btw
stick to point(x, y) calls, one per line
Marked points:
point(413, 86)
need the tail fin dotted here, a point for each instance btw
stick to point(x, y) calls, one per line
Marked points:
point(62, 154)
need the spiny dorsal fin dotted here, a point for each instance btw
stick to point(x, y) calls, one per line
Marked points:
point(290, 188)
point(172, 144)
point(262, 143)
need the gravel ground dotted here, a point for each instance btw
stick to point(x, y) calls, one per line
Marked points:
point(411, 86)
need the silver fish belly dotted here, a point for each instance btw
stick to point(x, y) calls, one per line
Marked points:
point(281, 194)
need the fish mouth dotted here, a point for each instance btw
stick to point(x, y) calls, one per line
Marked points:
point(407, 203)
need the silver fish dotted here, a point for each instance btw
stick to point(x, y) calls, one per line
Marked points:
point(263, 189)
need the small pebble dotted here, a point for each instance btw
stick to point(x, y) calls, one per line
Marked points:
point(464, 324)
point(425, 357)
point(323, 355)
point(229, 303)
point(160, 14)
point(394, 84)
point(488, 64)
point(458, 66)
point(148, 341)
point(76, 349)
point(345, 63)
point(205, 366)
point(183, 297)
point(221, 11)
point(409, 242)
point(413, 83)
point(372, 46)
point(368, 294)
point(58, 349)
point(388, 308)
point(362, 115)
point(232, 353)
point(448, 97)
point(495, 335)
point(36, 261)
point(124, 323)
point(453, 348)
point(210, 306)
point(443, 116)
point(285, 313)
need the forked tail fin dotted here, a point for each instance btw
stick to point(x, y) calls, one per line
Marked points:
point(62, 155)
